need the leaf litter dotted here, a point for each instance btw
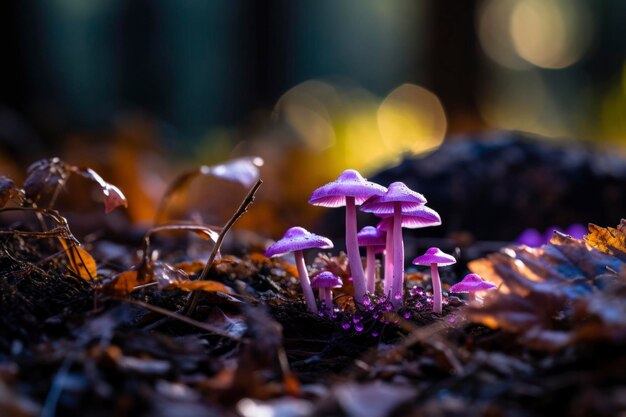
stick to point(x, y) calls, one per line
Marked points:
point(77, 338)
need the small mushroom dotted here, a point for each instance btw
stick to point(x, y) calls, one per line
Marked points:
point(295, 240)
point(415, 218)
point(349, 190)
point(324, 282)
point(397, 199)
point(471, 284)
point(434, 258)
point(372, 239)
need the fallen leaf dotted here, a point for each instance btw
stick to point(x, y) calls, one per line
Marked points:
point(608, 240)
point(204, 285)
point(123, 284)
point(80, 261)
point(190, 267)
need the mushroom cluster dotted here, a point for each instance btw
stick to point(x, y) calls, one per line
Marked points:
point(399, 207)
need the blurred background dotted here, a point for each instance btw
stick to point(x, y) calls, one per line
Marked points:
point(142, 89)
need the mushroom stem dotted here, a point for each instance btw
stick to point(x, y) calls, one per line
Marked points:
point(352, 246)
point(370, 272)
point(398, 257)
point(471, 296)
point(434, 275)
point(307, 291)
point(388, 262)
point(328, 298)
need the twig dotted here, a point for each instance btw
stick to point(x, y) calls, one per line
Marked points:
point(184, 319)
point(192, 301)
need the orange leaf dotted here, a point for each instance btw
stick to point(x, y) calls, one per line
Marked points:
point(608, 240)
point(122, 284)
point(205, 285)
point(190, 267)
point(80, 261)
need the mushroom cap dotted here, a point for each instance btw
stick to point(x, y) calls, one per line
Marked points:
point(397, 192)
point(415, 218)
point(326, 279)
point(297, 238)
point(349, 184)
point(434, 256)
point(472, 283)
point(371, 236)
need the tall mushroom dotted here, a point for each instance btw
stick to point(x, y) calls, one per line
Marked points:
point(388, 275)
point(325, 281)
point(434, 258)
point(471, 284)
point(372, 239)
point(295, 240)
point(415, 218)
point(397, 199)
point(349, 189)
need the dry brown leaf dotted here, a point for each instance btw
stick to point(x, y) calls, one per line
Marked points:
point(44, 176)
point(80, 261)
point(204, 285)
point(123, 284)
point(190, 267)
point(564, 292)
point(608, 240)
point(47, 175)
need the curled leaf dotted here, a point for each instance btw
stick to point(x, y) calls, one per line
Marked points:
point(244, 171)
point(44, 176)
point(112, 196)
point(202, 231)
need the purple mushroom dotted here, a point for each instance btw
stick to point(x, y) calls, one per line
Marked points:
point(397, 199)
point(415, 218)
point(325, 281)
point(295, 240)
point(349, 190)
point(434, 258)
point(372, 239)
point(471, 284)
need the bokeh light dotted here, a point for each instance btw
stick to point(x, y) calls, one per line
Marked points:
point(550, 33)
point(305, 109)
point(493, 22)
point(411, 119)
